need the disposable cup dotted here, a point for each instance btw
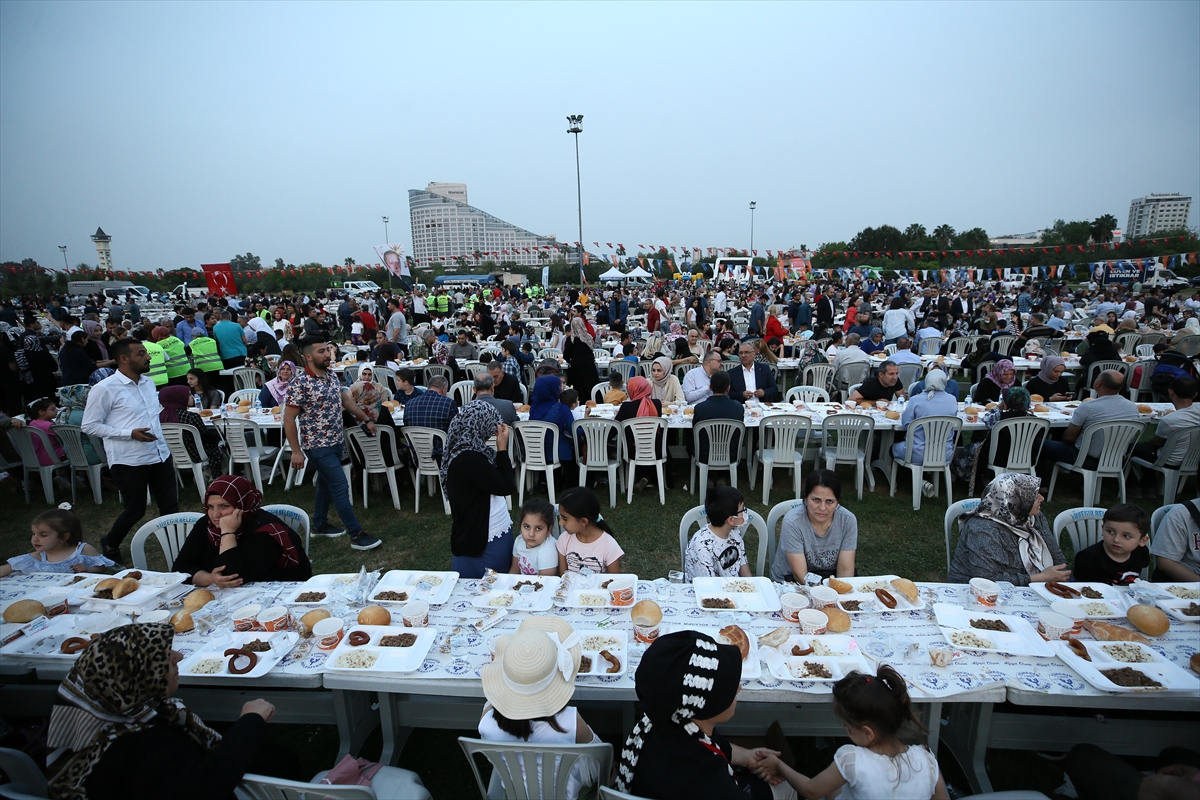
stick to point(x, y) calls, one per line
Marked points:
point(620, 592)
point(647, 616)
point(1072, 613)
point(328, 633)
point(823, 596)
point(246, 617)
point(274, 618)
point(812, 622)
point(160, 615)
point(415, 614)
point(1054, 626)
point(793, 603)
point(984, 591)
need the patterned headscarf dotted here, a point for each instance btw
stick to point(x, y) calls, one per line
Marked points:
point(639, 389)
point(1007, 501)
point(100, 374)
point(116, 686)
point(369, 394)
point(94, 329)
point(277, 386)
point(684, 676)
point(579, 331)
point(241, 494)
point(160, 332)
point(676, 331)
point(71, 398)
point(1049, 364)
point(173, 399)
point(469, 433)
point(996, 373)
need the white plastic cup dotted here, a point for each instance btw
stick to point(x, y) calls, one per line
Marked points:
point(1054, 626)
point(160, 615)
point(1071, 612)
point(328, 633)
point(275, 618)
point(793, 603)
point(985, 592)
point(823, 596)
point(620, 592)
point(415, 614)
point(246, 617)
point(812, 622)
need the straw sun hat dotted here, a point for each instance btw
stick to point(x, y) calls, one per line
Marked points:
point(534, 671)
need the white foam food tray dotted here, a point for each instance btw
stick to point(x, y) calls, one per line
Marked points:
point(1022, 639)
point(1112, 599)
point(747, 594)
point(431, 586)
point(386, 659)
point(1175, 609)
point(331, 585)
point(614, 641)
point(869, 603)
point(150, 586)
point(591, 598)
point(504, 593)
point(47, 643)
point(281, 643)
point(1111, 655)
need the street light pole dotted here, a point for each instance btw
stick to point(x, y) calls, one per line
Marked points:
point(752, 205)
point(66, 266)
point(576, 123)
point(385, 244)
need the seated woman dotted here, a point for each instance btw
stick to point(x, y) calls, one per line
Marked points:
point(274, 392)
point(198, 382)
point(873, 343)
point(769, 351)
point(126, 737)
point(642, 404)
point(1007, 538)
point(236, 542)
point(999, 378)
point(951, 384)
point(545, 406)
point(971, 463)
point(820, 536)
point(176, 402)
point(1049, 382)
point(664, 386)
point(934, 401)
point(688, 684)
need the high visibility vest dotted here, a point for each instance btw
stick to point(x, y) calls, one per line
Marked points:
point(177, 359)
point(205, 354)
point(442, 302)
point(158, 363)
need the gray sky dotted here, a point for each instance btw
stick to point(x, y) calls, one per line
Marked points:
point(195, 131)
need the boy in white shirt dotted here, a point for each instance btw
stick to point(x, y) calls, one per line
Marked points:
point(718, 550)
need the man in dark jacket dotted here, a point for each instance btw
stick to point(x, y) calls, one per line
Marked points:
point(618, 311)
point(719, 406)
point(750, 379)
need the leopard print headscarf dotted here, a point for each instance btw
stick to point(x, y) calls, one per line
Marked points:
point(116, 687)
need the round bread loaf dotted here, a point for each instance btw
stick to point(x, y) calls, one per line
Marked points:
point(197, 600)
point(313, 617)
point(182, 621)
point(839, 621)
point(1036, 398)
point(124, 587)
point(1144, 409)
point(374, 615)
point(1149, 619)
point(24, 611)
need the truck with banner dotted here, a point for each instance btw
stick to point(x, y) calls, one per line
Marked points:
point(1149, 272)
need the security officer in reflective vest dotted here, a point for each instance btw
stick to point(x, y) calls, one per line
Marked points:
point(178, 363)
point(206, 355)
point(442, 303)
point(158, 362)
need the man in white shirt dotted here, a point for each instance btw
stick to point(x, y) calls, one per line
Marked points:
point(695, 382)
point(123, 410)
point(719, 304)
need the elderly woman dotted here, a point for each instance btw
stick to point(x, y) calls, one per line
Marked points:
point(664, 386)
point(176, 402)
point(934, 401)
point(873, 343)
point(476, 479)
point(820, 536)
point(274, 391)
point(125, 736)
point(237, 542)
point(578, 351)
point(1049, 382)
point(367, 392)
point(1007, 537)
point(999, 378)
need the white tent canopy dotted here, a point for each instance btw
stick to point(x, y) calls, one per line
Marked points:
point(637, 272)
point(613, 274)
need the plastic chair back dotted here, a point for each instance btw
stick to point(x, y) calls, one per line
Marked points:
point(1100, 366)
point(371, 448)
point(774, 518)
point(851, 434)
point(719, 433)
point(296, 518)
point(239, 433)
point(1026, 436)
point(785, 437)
point(806, 394)
point(71, 438)
point(532, 435)
point(1083, 525)
point(22, 440)
point(421, 440)
point(818, 375)
point(350, 373)
point(463, 392)
point(437, 370)
point(1127, 341)
point(958, 346)
point(645, 431)
point(522, 777)
point(1002, 344)
point(170, 531)
point(475, 369)
point(244, 394)
point(549, 352)
point(930, 346)
point(24, 773)
point(1118, 438)
point(851, 373)
point(262, 787)
point(909, 373)
point(598, 392)
point(955, 511)
point(173, 435)
point(248, 378)
point(592, 446)
point(627, 369)
point(683, 369)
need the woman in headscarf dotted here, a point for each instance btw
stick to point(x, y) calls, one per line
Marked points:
point(1007, 538)
point(177, 402)
point(476, 479)
point(934, 401)
point(688, 684)
point(71, 402)
point(237, 542)
point(971, 463)
point(544, 406)
point(1100, 348)
point(663, 385)
point(1049, 382)
point(581, 360)
point(1000, 377)
point(642, 403)
point(126, 737)
point(369, 393)
point(75, 363)
point(675, 331)
point(274, 391)
point(874, 342)
point(95, 345)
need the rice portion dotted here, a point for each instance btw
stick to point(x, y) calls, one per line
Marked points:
point(504, 600)
point(1130, 654)
point(968, 639)
point(1097, 609)
point(432, 580)
point(1184, 593)
point(357, 659)
point(600, 642)
point(821, 650)
point(209, 666)
point(593, 600)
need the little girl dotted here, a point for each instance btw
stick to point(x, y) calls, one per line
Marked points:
point(58, 546)
point(41, 415)
point(586, 540)
point(872, 708)
point(534, 551)
point(356, 328)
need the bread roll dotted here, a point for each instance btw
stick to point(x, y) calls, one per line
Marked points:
point(374, 615)
point(24, 611)
point(1108, 632)
point(990, 406)
point(182, 621)
point(313, 617)
point(206, 413)
point(590, 404)
point(1065, 354)
point(732, 634)
point(1144, 409)
point(1149, 619)
point(107, 583)
point(892, 414)
point(1041, 407)
point(839, 621)
point(1194, 662)
point(687, 412)
point(972, 410)
point(907, 588)
point(1036, 398)
point(197, 600)
point(277, 409)
point(841, 587)
point(126, 586)
point(775, 637)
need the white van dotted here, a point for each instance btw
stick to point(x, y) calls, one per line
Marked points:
point(357, 288)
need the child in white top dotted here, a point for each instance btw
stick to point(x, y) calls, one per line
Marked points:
point(534, 551)
point(58, 547)
point(586, 540)
point(878, 765)
point(718, 550)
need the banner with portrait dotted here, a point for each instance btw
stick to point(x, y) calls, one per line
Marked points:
point(392, 256)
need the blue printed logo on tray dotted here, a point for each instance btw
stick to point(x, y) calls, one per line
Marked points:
point(461, 605)
point(458, 667)
point(1034, 681)
point(1068, 682)
point(931, 681)
point(967, 680)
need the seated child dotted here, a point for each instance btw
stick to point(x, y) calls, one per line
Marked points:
point(616, 393)
point(571, 398)
point(534, 551)
point(717, 550)
point(630, 355)
point(58, 547)
point(41, 415)
point(586, 539)
point(1122, 553)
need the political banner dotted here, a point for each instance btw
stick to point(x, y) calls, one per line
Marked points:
point(546, 278)
point(1119, 271)
point(219, 278)
point(392, 256)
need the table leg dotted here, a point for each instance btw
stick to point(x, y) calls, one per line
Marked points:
point(356, 717)
point(887, 437)
point(394, 734)
point(966, 737)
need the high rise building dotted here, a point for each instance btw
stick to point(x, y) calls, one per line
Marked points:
point(444, 228)
point(103, 251)
point(1157, 212)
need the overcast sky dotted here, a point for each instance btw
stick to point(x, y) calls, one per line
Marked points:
point(195, 131)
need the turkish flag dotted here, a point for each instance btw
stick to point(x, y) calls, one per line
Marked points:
point(219, 278)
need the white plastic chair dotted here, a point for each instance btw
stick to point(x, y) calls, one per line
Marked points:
point(1002, 344)
point(421, 441)
point(958, 346)
point(909, 373)
point(393, 783)
point(522, 777)
point(890, 349)
point(626, 368)
point(531, 438)
point(1119, 437)
point(238, 434)
point(953, 513)
point(72, 437)
point(929, 346)
point(170, 531)
point(646, 451)
point(779, 448)
point(1144, 389)
point(1175, 476)
point(1144, 351)
point(1100, 366)
point(598, 392)
point(806, 394)
point(1083, 525)
point(27, 778)
point(549, 352)
point(463, 392)
point(1127, 341)
point(373, 449)
point(471, 370)
point(850, 375)
point(937, 430)
point(847, 440)
point(682, 370)
point(818, 376)
point(350, 373)
point(721, 453)
point(248, 378)
point(22, 441)
point(592, 437)
point(173, 436)
point(774, 518)
point(244, 394)
point(435, 371)
point(696, 518)
point(1026, 435)
point(296, 518)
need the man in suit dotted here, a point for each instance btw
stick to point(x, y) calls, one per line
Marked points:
point(749, 379)
point(825, 311)
point(963, 306)
point(719, 406)
point(484, 391)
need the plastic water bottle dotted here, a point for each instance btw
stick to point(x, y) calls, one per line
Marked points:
point(257, 406)
point(196, 397)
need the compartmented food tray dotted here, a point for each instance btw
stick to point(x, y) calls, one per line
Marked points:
point(741, 594)
point(1108, 604)
point(400, 654)
point(863, 599)
point(431, 586)
point(1130, 667)
point(1020, 638)
point(211, 661)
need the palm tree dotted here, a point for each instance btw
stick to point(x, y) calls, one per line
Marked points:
point(914, 233)
point(1102, 228)
point(476, 255)
point(944, 234)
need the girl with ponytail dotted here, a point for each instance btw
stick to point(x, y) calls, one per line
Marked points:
point(878, 718)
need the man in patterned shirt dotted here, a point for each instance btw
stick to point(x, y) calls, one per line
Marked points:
point(316, 394)
point(431, 409)
point(433, 350)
